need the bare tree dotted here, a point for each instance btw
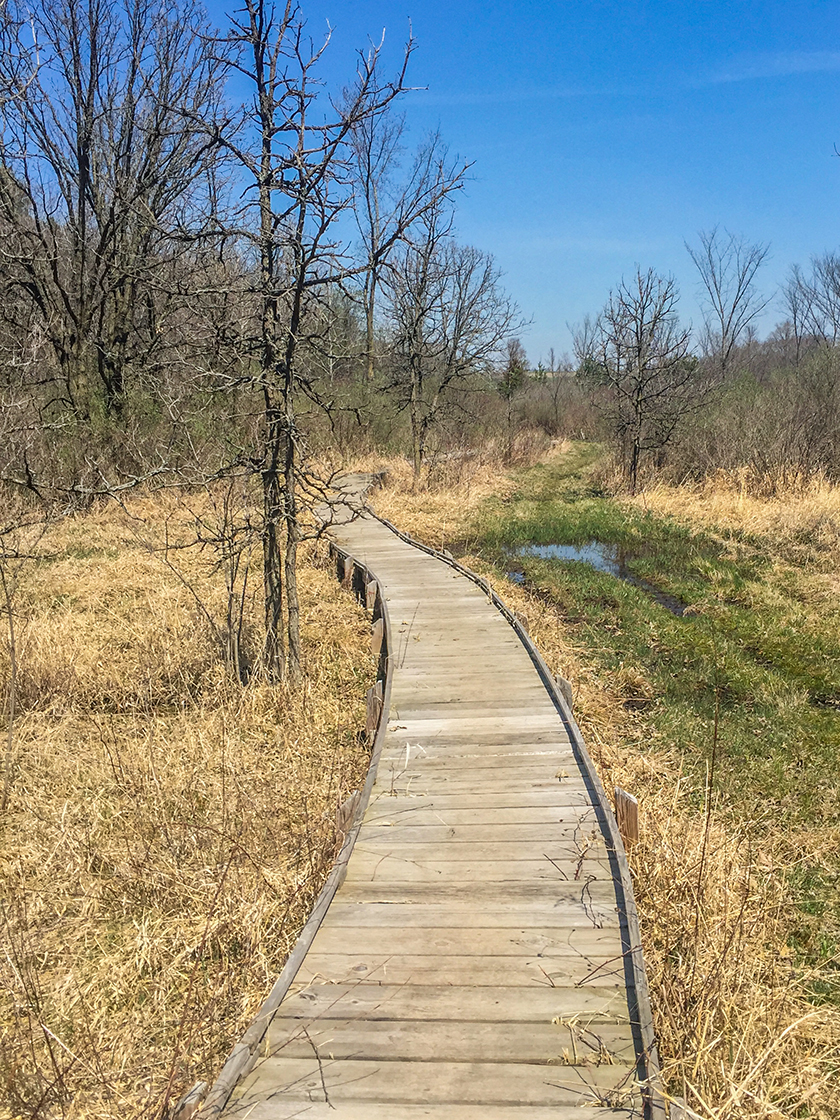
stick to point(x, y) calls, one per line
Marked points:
point(384, 208)
point(642, 356)
point(103, 180)
point(813, 302)
point(300, 172)
point(585, 335)
point(450, 319)
point(727, 265)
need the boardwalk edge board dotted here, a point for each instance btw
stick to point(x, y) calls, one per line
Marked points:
point(357, 577)
point(244, 1054)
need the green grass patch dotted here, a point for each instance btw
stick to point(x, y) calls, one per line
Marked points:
point(755, 643)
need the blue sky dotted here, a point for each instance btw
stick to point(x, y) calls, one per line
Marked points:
point(604, 135)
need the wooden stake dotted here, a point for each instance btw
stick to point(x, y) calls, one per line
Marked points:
point(190, 1103)
point(376, 635)
point(371, 591)
point(374, 709)
point(347, 580)
point(627, 815)
point(346, 811)
point(565, 688)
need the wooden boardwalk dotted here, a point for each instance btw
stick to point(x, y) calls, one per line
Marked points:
point(476, 955)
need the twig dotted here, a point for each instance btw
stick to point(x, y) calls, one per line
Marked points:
point(7, 771)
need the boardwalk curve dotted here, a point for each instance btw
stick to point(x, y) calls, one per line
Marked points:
point(476, 951)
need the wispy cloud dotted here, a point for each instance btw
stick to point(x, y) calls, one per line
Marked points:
point(505, 96)
point(781, 64)
point(531, 243)
point(740, 68)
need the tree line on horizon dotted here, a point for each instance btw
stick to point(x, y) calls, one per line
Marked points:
point(684, 405)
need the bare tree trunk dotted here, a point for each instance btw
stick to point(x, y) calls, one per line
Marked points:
point(274, 519)
point(10, 739)
point(416, 424)
point(293, 663)
point(370, 300)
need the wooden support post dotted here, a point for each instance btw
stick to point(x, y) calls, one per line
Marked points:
point(565, 688)
point(346, 811)
point(371, 591)
point(627, 815)
point(347, 578)
point(377, 634)
point(374, 710)
point(190, 1103)
point(522, 619)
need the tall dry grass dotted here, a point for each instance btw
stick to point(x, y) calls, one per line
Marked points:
point(797, 517)
point(167, 829)
point(740, 1033)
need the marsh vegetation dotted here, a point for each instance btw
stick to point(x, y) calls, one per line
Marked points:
point(723, 721)
point(210, 306)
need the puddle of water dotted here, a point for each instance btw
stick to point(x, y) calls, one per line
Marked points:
point(604, 558)
point(596, 555)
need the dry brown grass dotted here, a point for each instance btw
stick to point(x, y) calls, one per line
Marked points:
point(167, 829)
point(739, 1035)
point(800, 516)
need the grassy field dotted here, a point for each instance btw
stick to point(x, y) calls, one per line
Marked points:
point(723, 720)
point(167, 829)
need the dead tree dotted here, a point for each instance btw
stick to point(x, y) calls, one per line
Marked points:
point(101, 167)
point(384, 206)
point(639, 351)
point(295, 151)
point(727, 266)
point(450, 319)
point(813, 303)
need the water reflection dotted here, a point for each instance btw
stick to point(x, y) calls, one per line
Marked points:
point(611, 559)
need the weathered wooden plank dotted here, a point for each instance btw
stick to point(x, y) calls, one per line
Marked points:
point(536, 765)
point(571, 1044)
point(546, 832)
point(472, 894)
point(401, 788)
point(428, 813)
point(482, 1004)
point(589, 955)
point(568, 857)
point(364, 868)
point(456, 750)
point(581, 913)
point(282, 1107)
point(440, 1082)
point(488, 801)
point(468, 969)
